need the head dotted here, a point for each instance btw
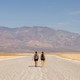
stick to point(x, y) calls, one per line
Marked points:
point(42, 52)
point(35, 52)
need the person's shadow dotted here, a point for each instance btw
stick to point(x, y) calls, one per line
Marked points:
point(34, 66)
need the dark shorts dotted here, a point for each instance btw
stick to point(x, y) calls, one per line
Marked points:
point(35, 59)
point(43, 59)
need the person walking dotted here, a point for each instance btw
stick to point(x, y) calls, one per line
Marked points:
point(36, 57)
point(42, 59)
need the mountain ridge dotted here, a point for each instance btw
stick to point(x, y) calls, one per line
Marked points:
point(29, 39)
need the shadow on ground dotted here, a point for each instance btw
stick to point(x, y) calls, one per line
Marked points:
point(34, 66)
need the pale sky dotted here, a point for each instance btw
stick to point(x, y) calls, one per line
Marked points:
point(57, 14)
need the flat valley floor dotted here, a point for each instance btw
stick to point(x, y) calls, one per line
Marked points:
point(56, 68)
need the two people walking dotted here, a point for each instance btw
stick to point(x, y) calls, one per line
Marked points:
point(36, 58)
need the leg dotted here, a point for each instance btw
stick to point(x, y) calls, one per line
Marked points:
point(42, 62)
point(36, 63)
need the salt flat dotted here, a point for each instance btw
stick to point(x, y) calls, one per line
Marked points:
point(56, 68)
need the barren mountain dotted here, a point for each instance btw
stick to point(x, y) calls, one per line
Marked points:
point(30, 39)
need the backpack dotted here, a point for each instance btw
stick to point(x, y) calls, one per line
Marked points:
point(36, 57)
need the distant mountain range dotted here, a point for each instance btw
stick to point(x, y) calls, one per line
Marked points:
point(30, 39)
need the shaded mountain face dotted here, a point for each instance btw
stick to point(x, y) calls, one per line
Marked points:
point(30, 39)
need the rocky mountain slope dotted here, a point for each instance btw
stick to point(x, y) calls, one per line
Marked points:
point(29, 39)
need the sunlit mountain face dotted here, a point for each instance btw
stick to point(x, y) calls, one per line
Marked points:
point(30, 39)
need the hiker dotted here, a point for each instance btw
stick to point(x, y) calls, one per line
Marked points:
point(42, 58)
point(36, 57)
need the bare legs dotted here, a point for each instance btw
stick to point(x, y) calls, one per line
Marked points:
point(36, 63)
point(42, 62)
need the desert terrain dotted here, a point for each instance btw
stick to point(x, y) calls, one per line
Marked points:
point(58, 66)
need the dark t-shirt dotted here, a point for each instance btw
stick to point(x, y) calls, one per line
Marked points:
point(42, 57)
point(36, 57)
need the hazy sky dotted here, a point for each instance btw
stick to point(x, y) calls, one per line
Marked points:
point(58, 14)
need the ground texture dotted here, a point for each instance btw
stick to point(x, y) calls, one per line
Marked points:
point(56, 68)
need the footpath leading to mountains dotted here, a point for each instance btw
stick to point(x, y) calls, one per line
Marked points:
point(56, 68)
